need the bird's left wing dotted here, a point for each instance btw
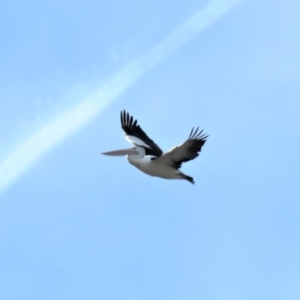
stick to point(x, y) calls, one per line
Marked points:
point(187, 151)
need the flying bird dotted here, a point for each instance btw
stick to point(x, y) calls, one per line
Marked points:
point(149, 158)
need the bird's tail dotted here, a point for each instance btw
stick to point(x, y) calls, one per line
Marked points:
point(188, 178)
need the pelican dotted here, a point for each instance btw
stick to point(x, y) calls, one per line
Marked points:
point(149, 158)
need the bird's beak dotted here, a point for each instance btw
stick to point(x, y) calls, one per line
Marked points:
point(121, 152)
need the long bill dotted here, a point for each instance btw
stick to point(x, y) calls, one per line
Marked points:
point(121, 152)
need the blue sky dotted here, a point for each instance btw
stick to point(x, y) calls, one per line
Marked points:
point(78, 225)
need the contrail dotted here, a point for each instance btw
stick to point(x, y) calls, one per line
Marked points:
point(55, 131)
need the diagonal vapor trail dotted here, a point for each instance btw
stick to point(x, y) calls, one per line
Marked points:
point(51, 134)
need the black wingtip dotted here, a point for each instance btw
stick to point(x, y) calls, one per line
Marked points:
point(195, 135)
point(127, 120)
point(122, 116)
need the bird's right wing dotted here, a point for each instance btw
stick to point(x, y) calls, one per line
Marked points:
point(135, 134)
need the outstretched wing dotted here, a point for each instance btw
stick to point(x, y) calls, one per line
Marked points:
point(187, 151)
point(135, 134)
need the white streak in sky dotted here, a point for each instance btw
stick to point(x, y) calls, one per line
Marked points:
point(48, 136)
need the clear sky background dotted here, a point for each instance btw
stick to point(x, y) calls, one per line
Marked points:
point(79, 225)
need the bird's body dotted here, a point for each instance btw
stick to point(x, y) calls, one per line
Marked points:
point(151, 166)
point(149, 158)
